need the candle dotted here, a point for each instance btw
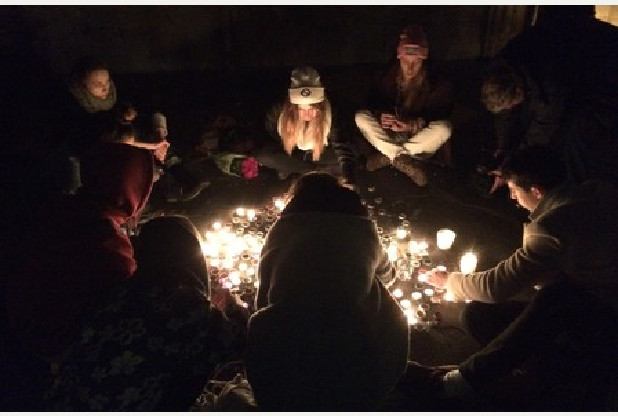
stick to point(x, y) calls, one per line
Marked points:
point(467, 263)
point(401, 233)
point(445, 238)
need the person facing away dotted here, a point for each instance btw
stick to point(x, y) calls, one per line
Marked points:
point(407, 118)
point(157, 339)
point(74, 251)
point(553, 85)
point(308, 133)
point(327, 334)
point(83, 252)
point(570, 324)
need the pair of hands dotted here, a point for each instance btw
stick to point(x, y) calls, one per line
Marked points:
point(437, 278)
point(390, 121)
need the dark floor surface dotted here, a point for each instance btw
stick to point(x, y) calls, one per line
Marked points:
point(456, 197)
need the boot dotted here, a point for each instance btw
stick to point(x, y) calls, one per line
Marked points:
point(412, 168)
point(376, 161)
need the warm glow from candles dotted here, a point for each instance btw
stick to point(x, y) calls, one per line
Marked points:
point(240, 212)
point(401, 233)
point(468, 263)
point(250, 214)
point(445, 238)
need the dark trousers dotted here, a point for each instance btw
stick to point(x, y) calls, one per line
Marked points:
point(298, 162)
point(571, 334)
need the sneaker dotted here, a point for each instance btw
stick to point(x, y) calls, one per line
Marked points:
point(377, 161)
point(411, 168)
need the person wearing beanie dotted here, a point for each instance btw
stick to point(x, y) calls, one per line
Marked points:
point(307, 134)
point(407, 119)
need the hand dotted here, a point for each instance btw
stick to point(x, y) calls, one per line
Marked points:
point(387, 120)
point(437, 278)
point(160, 151)
point(129, 113)
point(413, 126)
point(223, 300)
point(348, 185)
point(498, 181)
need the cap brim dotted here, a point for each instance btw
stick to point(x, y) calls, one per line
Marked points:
point(306, 95)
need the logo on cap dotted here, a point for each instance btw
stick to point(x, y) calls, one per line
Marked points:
point(305, 92)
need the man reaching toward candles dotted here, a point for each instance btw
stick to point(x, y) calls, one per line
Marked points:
point(566, 333)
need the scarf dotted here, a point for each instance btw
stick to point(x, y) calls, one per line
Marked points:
point(89, 102)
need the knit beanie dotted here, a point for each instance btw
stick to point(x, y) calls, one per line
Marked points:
point(305, 86)
point(413, 41)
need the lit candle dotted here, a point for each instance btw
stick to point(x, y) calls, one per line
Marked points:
point(279, 203)
point(392, 251)
point(401, 233)
point(417, 295)
point(250, 214)
point(216, 225)
point(398, 293)
point(240, 211)
point(445, 238)
point(467, 263)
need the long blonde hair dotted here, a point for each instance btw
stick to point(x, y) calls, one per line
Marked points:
point(291, 128)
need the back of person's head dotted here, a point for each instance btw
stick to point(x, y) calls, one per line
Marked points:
point(534, 166)
point(168, 251)
point(119, 177)
point(502, 88)
point(322, 192)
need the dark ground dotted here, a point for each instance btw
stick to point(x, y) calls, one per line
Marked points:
point(456, 197)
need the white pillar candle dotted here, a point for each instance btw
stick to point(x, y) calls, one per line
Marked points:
point(445, 238)
point(468, 262)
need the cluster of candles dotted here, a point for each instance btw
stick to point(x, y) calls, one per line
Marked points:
point(232, 251)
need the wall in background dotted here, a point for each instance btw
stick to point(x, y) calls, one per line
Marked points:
point(178, 38)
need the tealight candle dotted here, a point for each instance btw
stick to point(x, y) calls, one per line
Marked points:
point(240, 211)
point(401, 233)
point(445, 238)
point(467, 263)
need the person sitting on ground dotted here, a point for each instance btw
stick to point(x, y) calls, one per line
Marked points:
point(327, 334)
point(409, 108)
point(169, 339)
point(92, 106)
point(307, 132)
point(82, 251)
point(569, 327)
point(554, 85)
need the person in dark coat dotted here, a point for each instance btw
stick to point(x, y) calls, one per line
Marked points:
point(77, 251)
point(327, 334)
point(157, 340)
point(555, 84)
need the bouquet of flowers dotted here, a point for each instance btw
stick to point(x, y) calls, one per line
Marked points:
point(236, 164)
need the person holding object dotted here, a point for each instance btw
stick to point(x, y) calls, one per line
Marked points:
point(568, 327)
point(408, 116)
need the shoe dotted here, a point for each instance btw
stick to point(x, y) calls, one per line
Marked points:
point(377, 161)
point(411, 168)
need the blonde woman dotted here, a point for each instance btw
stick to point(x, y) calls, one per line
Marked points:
point(305, 131)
